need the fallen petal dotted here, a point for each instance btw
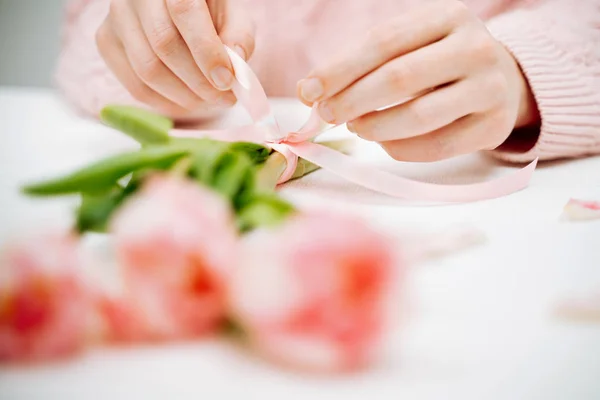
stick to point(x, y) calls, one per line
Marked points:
point(581, 210)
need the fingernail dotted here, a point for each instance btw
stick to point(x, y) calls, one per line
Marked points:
point(311, 89)
point(222, 77)
point(350, 126)
point(326, 112)
point(241, 52)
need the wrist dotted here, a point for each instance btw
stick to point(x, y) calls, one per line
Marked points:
point(528, 112)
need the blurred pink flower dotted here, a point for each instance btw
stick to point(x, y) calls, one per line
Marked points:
point(43, 302)
point(176, 243)
point(121, 322)
point(315, 293)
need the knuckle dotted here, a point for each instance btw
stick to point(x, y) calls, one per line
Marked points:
point(181, 7)
point(485, 50)
point(398, 76)
point(149, 70)
point(421, 113)
point(208, 48)
point(140, 92)
point(383, 39)
point(164, 39)
point(497, 86)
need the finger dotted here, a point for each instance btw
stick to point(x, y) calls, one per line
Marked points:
point(427, 113)
point(146, 64)
point(167, 43)
point(467, 135)
point(195, 24)
point(238, 31)
point(408, 32)
point(113, 53)
point(399, 80)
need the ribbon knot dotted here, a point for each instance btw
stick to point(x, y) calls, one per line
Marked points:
point(265, 130)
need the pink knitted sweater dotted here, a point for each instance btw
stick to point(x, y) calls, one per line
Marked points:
point(556, 42)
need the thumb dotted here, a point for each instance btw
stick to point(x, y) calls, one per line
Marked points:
point(238, 30)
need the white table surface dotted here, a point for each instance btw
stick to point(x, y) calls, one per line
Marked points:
point(481, 327)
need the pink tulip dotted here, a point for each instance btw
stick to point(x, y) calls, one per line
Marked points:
point(121, 322)
point(43, 303)
point(314, 293)
point(176, 244)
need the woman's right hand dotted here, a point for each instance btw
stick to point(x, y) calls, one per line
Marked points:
point(170, 54)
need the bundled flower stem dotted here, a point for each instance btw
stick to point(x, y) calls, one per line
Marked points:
point(244, 173)
point(273, 168)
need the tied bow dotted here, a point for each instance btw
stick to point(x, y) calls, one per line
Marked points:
point(265, 130)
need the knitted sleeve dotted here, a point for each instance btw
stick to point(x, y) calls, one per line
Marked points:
point(81, 74)
point(557, 44)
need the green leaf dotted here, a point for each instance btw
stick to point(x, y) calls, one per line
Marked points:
point(257, 153)
point(104, 174)
point(95, 211)
point(206, 159)
point(228, 171)
point(264, 210)
point(233, 173)
point(142, 125)
point(246, 191)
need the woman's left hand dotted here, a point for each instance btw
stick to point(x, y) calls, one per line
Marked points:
point(453, 89)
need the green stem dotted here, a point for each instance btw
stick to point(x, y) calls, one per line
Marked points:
point(270, 172)
point(181, 167)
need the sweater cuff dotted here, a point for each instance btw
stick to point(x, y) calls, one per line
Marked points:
point(562, 87)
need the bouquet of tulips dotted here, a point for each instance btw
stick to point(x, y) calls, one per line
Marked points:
point(203, 245)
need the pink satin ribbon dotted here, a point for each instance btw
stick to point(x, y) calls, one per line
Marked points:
point(292, 145)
